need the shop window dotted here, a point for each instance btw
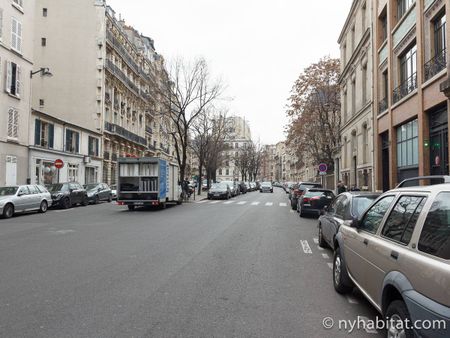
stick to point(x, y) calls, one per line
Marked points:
point(408, 145)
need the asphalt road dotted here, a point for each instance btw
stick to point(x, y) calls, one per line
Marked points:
point(198, 270)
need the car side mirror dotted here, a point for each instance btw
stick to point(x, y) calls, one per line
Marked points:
point(354, 223)
point(20, 194)
point(325, 209)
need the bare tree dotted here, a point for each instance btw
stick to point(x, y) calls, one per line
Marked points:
point(188, 91)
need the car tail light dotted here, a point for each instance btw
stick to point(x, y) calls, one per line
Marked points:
point(306, 199)
point(315, 198)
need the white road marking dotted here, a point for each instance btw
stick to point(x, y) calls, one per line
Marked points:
point(202, 201)
point(214, 202)
point(316, 240)
point(255, 203)
point(269, 204)
point(321, 249)
point(305, 246)
point(283, 204)
point(242, 202)
point(330, 265)
point(324, 255)
point(228, 202)
point(291, 211)
point(63, 232)
point(352, 300)
point(367, 327)
point(63, 210)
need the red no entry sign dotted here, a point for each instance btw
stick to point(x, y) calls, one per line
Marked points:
point(59, 163)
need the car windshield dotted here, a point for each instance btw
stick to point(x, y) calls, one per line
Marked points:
point(314, 193)
point(306, 186)
point(8, 191)
point(90, 186)
point(221, 185)
point(266, 184)
point(56, 187)
point(361, 203)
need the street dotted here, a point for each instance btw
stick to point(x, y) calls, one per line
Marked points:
point(247, 267)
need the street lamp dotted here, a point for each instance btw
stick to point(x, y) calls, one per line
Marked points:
point(43, 71)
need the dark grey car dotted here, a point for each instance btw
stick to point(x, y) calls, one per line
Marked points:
point(97, 192)
point(345, 207)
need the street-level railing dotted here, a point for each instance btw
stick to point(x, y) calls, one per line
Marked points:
point(408, 86)
point(436, 64)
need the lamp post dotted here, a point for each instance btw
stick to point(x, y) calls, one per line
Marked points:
point(44, 72)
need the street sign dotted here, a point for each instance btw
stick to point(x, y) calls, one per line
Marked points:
point(322, 173)
point(323, 167)
point(59, 163)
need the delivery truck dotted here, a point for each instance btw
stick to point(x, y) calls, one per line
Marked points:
point(147, 181)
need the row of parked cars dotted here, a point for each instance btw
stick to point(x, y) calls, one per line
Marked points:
point(394, 247)
point(229, 189)
point(24, 198)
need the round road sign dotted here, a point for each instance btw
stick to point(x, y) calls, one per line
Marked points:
point(323, 167)
point(59, 163)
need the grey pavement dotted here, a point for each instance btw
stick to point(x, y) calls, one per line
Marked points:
point(233, 268)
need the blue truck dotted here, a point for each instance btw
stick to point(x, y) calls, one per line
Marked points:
point(147, 181)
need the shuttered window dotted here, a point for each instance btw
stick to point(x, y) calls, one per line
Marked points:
point(13, 123)
point(16, 35)
point(13, 83)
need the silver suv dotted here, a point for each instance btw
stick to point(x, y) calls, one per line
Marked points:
point(398, 254)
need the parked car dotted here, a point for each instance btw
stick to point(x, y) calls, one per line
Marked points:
point(424, 180)
point(299, 189)
point(247, 185)
point(347, 206)
point(243, 187)
point(97, 192)
point(314, 200)
point(23, 198)
point(234, 187)
point(68, 194)
point(113, 191)
point(398, 254)
point(219, 190)
point(287, 186)
point(253, 186)
point(266, 187)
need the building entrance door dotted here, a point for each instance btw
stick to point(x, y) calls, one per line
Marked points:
point(439, 143)
point(385, 160)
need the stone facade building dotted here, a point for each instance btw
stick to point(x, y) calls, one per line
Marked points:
point(16, 65)
point(354, 163)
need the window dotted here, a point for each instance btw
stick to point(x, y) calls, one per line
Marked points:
point(227, 172)
point(439, 26)
point(364, 84)
point(43, 42)
point(13, 79)
point(44, 12)
point(402, 7)
point(341, 210)
point(353, 96)
point(435, 236)
point(23, 191)
point(344, 54)
point(353, 38)
point(16, 35)
point(93, 146)
point(72, 170)
point(373, 218)
point(43, 134)
point(13, 123)
point(401, 222)
point(344, 99)
point(72, 141)
point(220, 172)
point(408, 64)
point(41, 102)
point(18, 3)
point(363, 17)
point(408, 145)
point(383, 27)
point(1, 23)
point(438, 60)
point(385, 84)
point(33, 190)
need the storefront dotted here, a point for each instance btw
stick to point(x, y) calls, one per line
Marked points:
point(408, 150)
point(438, 143)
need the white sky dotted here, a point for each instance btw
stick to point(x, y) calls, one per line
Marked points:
point(258, 47)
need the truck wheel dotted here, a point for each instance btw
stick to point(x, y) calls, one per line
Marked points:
point(131, 207)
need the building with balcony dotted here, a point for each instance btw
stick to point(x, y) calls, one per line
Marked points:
point(102, 95)
point(16, 64)
point(354, 163)
point(268, 163)
point(410, 111)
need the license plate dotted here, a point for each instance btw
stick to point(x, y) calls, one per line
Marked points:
point(138, 203)
point(306, 205)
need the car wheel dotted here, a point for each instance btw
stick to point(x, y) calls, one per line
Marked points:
point(340, 274)
point(97, 200)
point(110, 198)
point(85, 201)
point(8, 211)
point(131, 207)
point(43, 207)
point(398, 315)
point(322, 242)
point(65, 203)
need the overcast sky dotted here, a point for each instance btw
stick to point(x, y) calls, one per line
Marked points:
point(258, 47)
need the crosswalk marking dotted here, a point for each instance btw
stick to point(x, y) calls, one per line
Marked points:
point(305, 246)
point(228, 202)
point(214, 202)
point(283, 204)
point(291, 211)
point(324, 255)
point(242, 202)
point(269, 204)
point(330, 265)
point(316, 240)
point(321, 249)
point(255, 203)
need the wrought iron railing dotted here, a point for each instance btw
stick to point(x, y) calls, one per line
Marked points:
point(436, 64)
point(382, 105)
point(106, 155)
point(122, 51)
point(114, 157)
point(408, 86)
point(149, 130)
point(121, 75)
point(128, 135)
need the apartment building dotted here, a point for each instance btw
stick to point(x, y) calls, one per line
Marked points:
point(101, 102)
point(239, 137)
point(268, 163)
point(16, 65)
point(354, 162)
point(411, 112)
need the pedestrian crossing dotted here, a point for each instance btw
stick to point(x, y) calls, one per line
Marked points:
point(242, 203)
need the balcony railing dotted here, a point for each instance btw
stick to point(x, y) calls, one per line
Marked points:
point(128, 135)
point(436, 64)
point(149, 130)
point(106, 155)
point(122, 51)
point(121, 75)
point(382, 105)
point(405, 88)
point(114, 157)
